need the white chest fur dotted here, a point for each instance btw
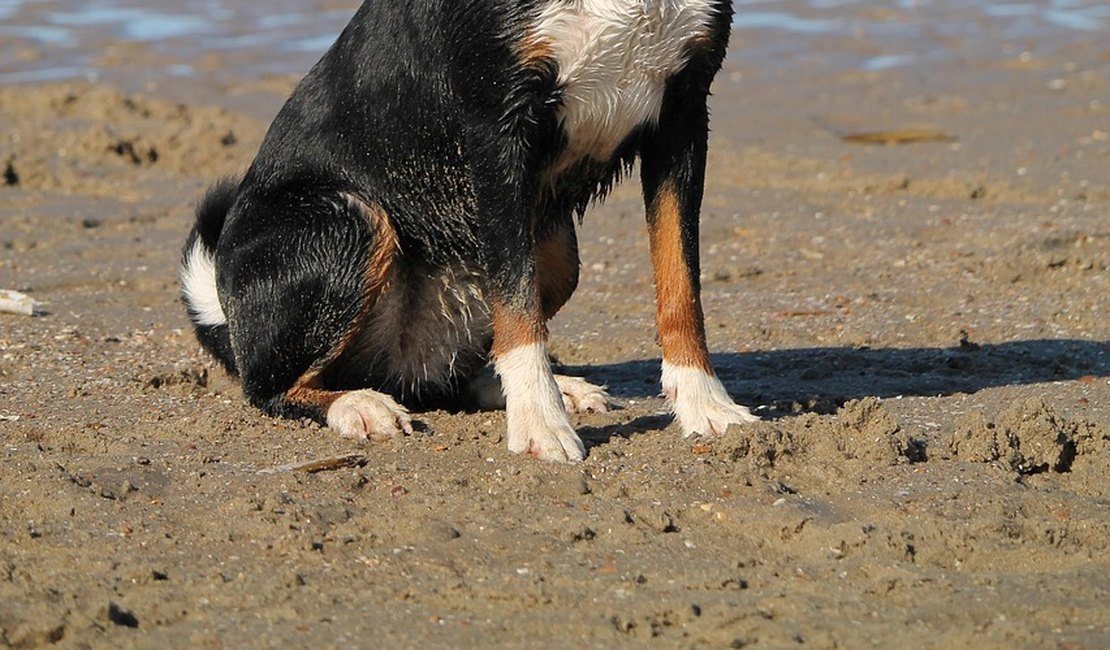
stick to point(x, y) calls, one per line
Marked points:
point(614, 58)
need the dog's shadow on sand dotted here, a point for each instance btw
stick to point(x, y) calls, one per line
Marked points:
point(820, 380)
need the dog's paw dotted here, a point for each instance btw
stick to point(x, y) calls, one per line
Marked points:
point(580, 396)
point(700, 402)
point(555, 441)
point(712, 417)
point(542, 429)
point(368, 414)
point(537, 420)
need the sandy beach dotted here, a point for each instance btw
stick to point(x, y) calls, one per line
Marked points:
point(905, 249)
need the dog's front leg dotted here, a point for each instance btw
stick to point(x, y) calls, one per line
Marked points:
point(673, 175)
point(537, 420)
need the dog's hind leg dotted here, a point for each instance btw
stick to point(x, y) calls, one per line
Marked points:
point(360, 414)
point(299, 270)
point(557, 264)
point(673, 174)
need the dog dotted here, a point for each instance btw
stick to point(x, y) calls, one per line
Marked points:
point(410, 216)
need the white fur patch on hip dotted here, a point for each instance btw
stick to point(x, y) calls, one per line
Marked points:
point(614, 58)
point(198, 286)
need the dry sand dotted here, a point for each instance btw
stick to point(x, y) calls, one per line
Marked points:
point(923, 328)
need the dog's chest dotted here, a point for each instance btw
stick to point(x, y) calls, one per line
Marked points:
point(614, 58)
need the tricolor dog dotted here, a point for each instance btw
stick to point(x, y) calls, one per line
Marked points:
point(411, 213)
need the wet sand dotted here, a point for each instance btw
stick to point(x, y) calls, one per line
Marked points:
point(923, 327)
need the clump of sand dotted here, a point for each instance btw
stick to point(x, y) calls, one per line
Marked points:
point(1028, 437)
point(862, 433)
point(870, 433)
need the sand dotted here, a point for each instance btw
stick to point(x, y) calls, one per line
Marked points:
point(922, 327)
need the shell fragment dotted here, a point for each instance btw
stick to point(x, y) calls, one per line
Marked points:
point(13, 302)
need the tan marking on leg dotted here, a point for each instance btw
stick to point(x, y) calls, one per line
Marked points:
point(309, 389)
point(513, 329)
point(556, 269)
point(379, 270)
point(381, 260)
point(678, 314)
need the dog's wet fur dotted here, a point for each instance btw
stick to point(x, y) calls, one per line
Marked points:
point(411, 213)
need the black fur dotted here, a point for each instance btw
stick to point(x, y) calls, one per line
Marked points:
point(291, 277)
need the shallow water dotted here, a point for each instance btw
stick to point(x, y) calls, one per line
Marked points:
point(51, 40)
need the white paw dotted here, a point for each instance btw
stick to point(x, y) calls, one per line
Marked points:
point(700, 402)
point(580, 396)
point(537, 419)
point(552, 441)
point(367, 414)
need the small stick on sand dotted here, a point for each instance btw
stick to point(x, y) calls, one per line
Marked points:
point(320, 465)
point(898, 136)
